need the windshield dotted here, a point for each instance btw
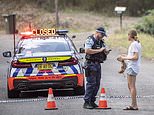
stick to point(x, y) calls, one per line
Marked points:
point(44, 47)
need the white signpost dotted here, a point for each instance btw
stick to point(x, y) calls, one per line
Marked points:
point(120, 11)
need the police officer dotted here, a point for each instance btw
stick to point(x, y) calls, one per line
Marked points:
point(94, 47)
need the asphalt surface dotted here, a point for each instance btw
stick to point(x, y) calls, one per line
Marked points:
point(115, 85)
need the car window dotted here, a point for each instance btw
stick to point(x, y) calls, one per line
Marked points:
point(44, 47)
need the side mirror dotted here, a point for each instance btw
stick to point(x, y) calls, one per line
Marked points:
point(81, 50)
point(17, 31)
point(74, 36)
point(7, 54)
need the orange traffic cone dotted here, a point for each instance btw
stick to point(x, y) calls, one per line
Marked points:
point(103, 101)
point(51, 104)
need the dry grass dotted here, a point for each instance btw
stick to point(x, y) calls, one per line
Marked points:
point(147, 44)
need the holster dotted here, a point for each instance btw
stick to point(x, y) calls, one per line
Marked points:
point(90, 69)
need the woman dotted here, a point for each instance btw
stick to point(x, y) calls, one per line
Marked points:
point(133, 63)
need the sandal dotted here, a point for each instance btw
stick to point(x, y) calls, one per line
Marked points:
point(130, 108)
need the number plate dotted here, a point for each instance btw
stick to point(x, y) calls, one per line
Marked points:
point(45, 66)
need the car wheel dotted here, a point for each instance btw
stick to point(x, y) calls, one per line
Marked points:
point(79, 90)
point(12, 93)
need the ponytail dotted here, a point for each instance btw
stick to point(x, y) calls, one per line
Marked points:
point(136, 39)
point(133, 34)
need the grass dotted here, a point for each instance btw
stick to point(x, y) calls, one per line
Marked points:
point(147, 45)
point(120, 41)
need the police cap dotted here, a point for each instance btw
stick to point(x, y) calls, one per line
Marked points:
point(101, 30)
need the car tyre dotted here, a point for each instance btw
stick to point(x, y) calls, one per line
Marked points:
point(13, 93)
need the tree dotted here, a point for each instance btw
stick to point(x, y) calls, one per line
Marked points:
point(56, 11)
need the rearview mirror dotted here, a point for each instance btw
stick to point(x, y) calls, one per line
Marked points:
point(17, 31)
point(82, 50)
point(74, 36)
point(7, 54)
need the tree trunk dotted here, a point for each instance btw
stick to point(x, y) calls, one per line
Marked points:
point(57, 10)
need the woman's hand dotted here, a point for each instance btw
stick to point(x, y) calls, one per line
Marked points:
point(122, 57)
point(125, 57)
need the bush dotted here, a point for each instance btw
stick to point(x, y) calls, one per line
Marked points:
point(147, 23)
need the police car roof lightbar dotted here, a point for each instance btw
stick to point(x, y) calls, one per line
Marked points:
point(62, 32)
point(26, 33)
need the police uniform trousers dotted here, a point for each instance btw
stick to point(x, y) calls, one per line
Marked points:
point(93, 77)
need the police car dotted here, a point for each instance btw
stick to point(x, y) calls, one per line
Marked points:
point(42, 61)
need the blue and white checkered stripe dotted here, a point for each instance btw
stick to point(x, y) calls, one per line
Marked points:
point(74, 69)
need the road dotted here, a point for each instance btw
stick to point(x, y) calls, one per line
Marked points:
point(116, 90)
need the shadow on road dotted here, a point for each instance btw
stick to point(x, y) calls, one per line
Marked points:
point(56, 93)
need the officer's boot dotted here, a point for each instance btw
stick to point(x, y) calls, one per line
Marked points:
point(88, 105)
point(94, 104)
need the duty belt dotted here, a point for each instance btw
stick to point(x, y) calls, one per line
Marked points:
point(92, 61)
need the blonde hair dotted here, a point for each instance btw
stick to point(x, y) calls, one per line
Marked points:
point(133, 35)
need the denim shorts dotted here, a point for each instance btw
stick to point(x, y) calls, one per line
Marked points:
point(130, 71)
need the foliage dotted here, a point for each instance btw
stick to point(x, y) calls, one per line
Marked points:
point(147, 23)
point(134, 7)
